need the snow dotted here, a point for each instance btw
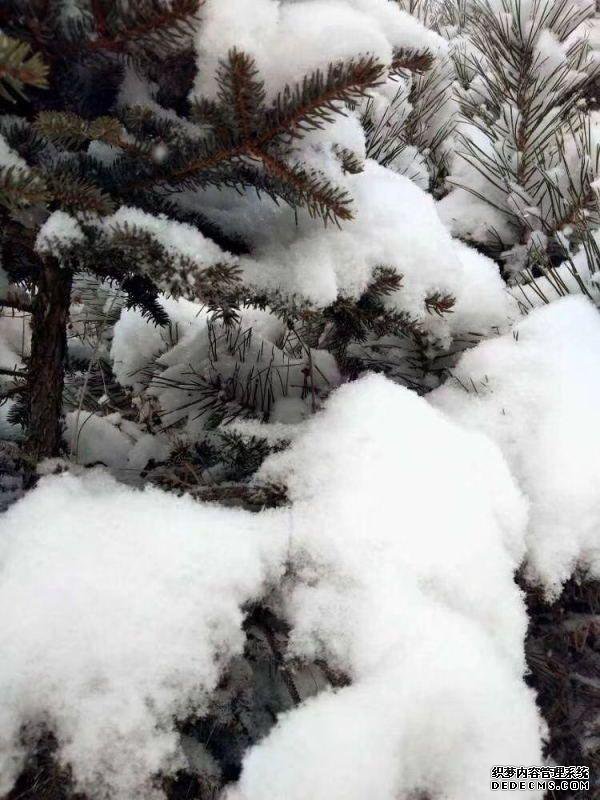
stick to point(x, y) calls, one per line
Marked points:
point(9, 158)
point(14, 339)
point(112, 441)
point(14, 347)
point(136, 344)
point(534, 392)
point(396, 225)
point(468, 216)
point(402, 576)
point(289, 40)
point(94, 439)
point(483, 302)
point(394, 561)
point(121, 623)
point(408, 517)
point(177, 238)
point(251, 366)
point(476, 208)
point(180, 240)
point(60, 229)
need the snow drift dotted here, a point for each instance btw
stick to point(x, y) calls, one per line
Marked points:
point(126, 606)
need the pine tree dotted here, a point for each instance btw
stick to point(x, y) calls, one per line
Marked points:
point(414, 134)
point(53, 59)
point(524, 72)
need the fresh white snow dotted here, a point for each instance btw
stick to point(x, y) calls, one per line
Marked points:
point(534, 391)
point(59, 229)
point(394, 561)
point(119, 624)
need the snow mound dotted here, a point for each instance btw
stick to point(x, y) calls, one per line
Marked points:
point(124, 607)
point(394, 562)
point(405, 535)
point(178, 238)
point(534, 391)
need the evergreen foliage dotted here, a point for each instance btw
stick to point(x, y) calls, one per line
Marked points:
point(53, 58)
point(399, 139)
point(20, 68)
point(525, 71)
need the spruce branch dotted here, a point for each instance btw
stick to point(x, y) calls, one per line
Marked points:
point(13, 372)
point(19, 67)
point(350, 162)
point(20, 187)
point(254, 133)
point(22, 138)
point(212, 115)
point(78, 194)
point(68, 130)
point(147, 131)
point(12, 391)
point(311, 189)
point(241, 90)
point(439, 303)
point(349, 321)
point(16, 305)
point(146, 27)
point(311, 104)
point(410, 60)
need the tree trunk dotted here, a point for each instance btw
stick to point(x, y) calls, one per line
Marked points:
point(47, 361)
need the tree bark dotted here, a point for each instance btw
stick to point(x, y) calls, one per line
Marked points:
point(47, 361)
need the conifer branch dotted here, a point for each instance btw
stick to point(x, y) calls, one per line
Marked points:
point(312, 189)
point(254, 132)
point(146, 26)
point(351, 163)
point(69, 130)
point(16, 305)
point(390, 132)
point(439, 303)
point(20, 187)
point(523, 113)
point(19, 67)
point(314, 102)
point(241, 90)
point(410, 60)
point(13, 373)
point(78, 194)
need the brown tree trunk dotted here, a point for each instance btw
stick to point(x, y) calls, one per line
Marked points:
point(47, 362)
